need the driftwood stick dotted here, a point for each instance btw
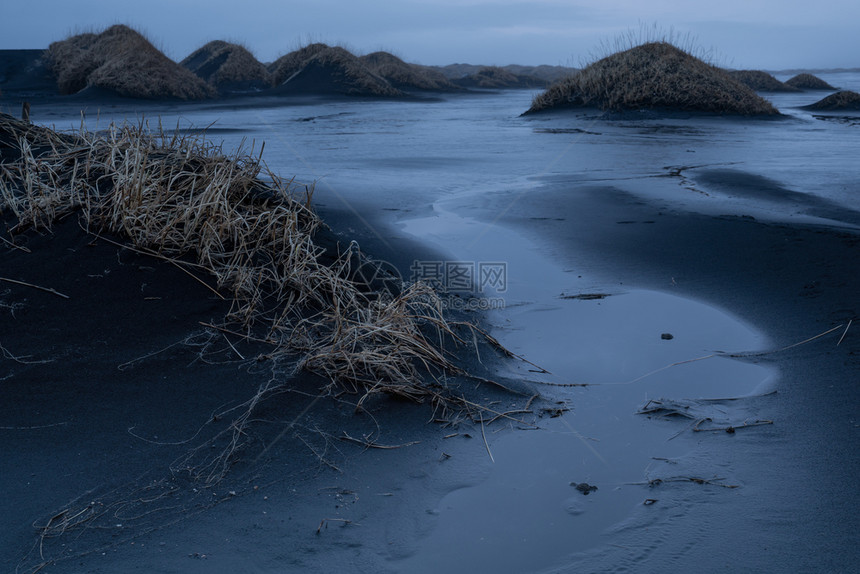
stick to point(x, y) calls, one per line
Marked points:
point(25, 284)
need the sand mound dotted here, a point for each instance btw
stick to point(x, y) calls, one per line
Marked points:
point(406, 76)
point(228, 67)
point(333, 70)
point(653, 75)
point(844, 100)
point(808, 82)
point(760, 81)
point(121, 60)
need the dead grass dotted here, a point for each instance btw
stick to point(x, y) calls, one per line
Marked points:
point(182, 199)
point(121, 60)
point(844, 100)
point(653, 75)
point(808, 82)
point(225, 64)
point(760, 81)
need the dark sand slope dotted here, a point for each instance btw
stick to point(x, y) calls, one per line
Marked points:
point(117, 396)
point(656, 75)
point(808, 82)
point(761, 81)
point(330, 71)
point(844, 100)
point(120, 60)
point(289, 64)
point(228, 67)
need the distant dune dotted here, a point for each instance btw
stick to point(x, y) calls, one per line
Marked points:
point(333, 70)
point(761, 81)
point(228, 67)
point(120, 60)
point(808, 82)
point(547, 74)
point(493, 77)
point(655, 75)
point(405, 76)
point(844, 100)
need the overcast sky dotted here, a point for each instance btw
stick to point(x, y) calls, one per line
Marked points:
point(762, 34)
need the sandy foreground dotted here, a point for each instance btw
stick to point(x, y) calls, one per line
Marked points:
point(110, 389)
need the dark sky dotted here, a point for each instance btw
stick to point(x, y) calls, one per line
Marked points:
point(766, 34)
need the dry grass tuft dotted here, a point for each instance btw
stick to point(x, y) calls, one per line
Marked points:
point(653, 75)
point(226, 65)
point(182, 199)
point(760, 81)
point(844, 100)
point(402, 75)
point(808, 82)
point(121, 60)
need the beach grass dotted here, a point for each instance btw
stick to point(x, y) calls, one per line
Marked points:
point(225, 217)
point(654, 75)
point(122, 61)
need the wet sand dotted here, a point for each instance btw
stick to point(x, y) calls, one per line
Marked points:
point(791, 281)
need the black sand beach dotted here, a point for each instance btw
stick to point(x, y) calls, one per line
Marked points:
point(792, 281)
point(111, 382)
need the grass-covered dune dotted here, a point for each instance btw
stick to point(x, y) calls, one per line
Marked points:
point(321, 69)
point(654, 75)
point(760, 81)
point(843, 100)
point(228, 67)
point(122, 61)
point(405, 76)
point(247, 235)
point(808, 82)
